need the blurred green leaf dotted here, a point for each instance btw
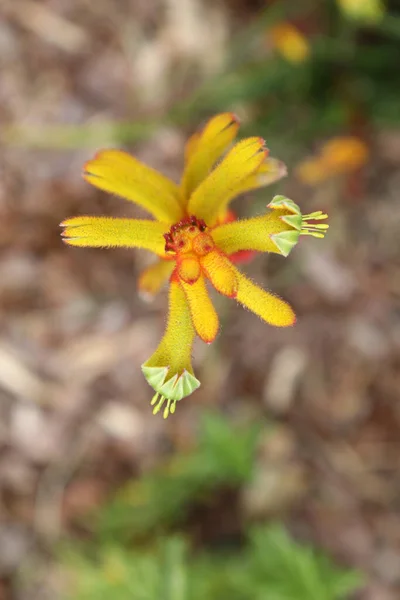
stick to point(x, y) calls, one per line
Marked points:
point(224, 457)
point(351, 66)
point(119, 574)
point(271, 566)
point(133, 558)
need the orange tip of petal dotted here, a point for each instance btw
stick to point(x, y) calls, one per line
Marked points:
point(234, 119)
point(263, 147)
point(208, 337)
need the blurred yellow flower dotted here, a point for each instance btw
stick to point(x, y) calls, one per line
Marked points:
point(370, 11)
point(196, 240)
point(338, 156)
point(290, 42)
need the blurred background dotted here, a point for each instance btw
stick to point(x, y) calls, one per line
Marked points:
point(279, 479)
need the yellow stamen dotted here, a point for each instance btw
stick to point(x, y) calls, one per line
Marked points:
point(317, 230)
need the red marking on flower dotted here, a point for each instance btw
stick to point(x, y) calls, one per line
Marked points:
point(187, 233)
point(242, 256)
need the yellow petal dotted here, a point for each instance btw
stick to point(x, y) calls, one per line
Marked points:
point(191, 145)
point(152, 279)
point(107, 232)
point(269, 172)
point(205, 148)
point(169, 370)
point(220, 272)
point(189, 269)
point(204, 316)
point(251, 234)
point(210, 199)
point(121, 174)
point(174, 350)
point(267, 306)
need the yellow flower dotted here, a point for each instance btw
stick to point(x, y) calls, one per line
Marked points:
point(195, 240)
point(290, 42)
point(338, 156)
point(370, 11)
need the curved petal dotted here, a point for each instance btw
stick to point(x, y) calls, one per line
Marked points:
point(267, 306)
point(188, 269)
point(220, 272)
point(204, 149)
point(121, 174)
point(271, 171)
point(152, 279)
point(107, 232)
point(204, 316)
point(169, 370)
point(211, 197)
point(252, 234)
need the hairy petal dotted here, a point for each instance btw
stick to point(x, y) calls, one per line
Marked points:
point(251, 234)
point(152, 279)
point(108, 232)
point(188, 269)
point(204, 148)
point(121, 174)
point(211, 197)
point(269, 172)
point(267, 306)
point(175, 347)
point(219, 270)
point(204, 316)
point(169, 370)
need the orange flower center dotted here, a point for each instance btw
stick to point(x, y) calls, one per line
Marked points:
point(188, 243)
point(188, 237)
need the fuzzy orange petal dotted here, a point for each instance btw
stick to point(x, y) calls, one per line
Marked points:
point(188, 269)
point(219, 270)
point(204, 316)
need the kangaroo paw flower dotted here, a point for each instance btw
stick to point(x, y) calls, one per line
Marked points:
point(197, 240)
